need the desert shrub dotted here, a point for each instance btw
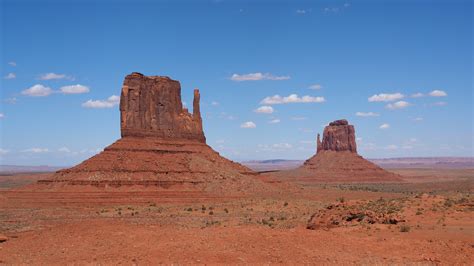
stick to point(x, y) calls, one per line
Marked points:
point(285, 204)
point(203, 208)
point(226, 210)
point(405, 228)
point(211, 212)
point(190, 209)
point(341, 199)
point(419, 213)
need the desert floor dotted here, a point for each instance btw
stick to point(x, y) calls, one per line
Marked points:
point(434, 209)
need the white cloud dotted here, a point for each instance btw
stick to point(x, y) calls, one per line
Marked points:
point(51, 76)
point(418, 119)
point(274, 121)
point(264, 110)
point(37, 90)
point(292, 98)
point(439, 104)
point(257, 76)
point(301, 11)
point(392, 147)
point(386, 97)
point(12, 63)
point(417, 95)
point(315, 87)
point(64, 149)
point(3, 151)
point(2, 115)
point(109, 103)
point(438, 93)
point(282, 146)
point(10, 76)
point(397, 105)
point(36, 150)
point(366, 114)
point(214, 103)
point(11, 100)
point(74, 89)
point(384, 126)
point(248, 124)
point(331, 9)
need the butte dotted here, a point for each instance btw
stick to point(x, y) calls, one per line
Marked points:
point(162, 146)
point(336, 160)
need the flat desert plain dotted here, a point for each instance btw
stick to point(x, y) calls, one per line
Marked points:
point(427, 219)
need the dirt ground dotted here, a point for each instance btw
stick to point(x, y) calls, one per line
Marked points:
point(434, 211)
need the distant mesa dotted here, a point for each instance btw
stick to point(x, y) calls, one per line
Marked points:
point(336, 160)
point(162, 145)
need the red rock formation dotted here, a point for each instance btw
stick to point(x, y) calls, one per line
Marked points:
point(338, 136)
point(162, 146)
point(337, 160)
point(151, 106)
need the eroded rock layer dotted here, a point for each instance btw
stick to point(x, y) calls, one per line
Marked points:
point(337, 160)
point(162, 146)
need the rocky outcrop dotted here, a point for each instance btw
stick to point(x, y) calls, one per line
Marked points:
point(162, 147)
point(338, 136)
point(151, 106)
point(336, 160)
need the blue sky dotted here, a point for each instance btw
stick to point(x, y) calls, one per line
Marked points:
point(400, 71)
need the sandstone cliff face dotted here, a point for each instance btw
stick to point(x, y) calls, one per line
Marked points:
point(338, 136)
point(150, 106)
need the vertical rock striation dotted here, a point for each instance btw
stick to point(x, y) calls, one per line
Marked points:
point(150, 106)
point(338, 136)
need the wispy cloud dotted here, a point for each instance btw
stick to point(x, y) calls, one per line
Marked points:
point(386, 97)
point(74, 89)
point(10, 76)
point(298, 118)
point(36, 150)
point(12, 100)
point(274, 121)
point(37, 90)
point(12, 63)
point(384, 126)
point(397, 105)
point(439, 104)
point(2, 116)
point(418, 119)
point(52, 76)
point(257, 76)
point(438, 93)
point(99, 104)
point(315, 87)
point(264, 110)
point(417, 95)
point(303, 11)
point(366, 114)
point(214, 103)
point(248, 124)
point(64, 149)
point(3, 151)
point(292, 98)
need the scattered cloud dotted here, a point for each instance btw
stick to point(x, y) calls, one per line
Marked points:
point(3, 151)
point(74, 89)
point(282, 146)
point(438, 93)
point(391, 147)
point(303, 11)
point(418, 119)
point(275, 147)
point(64, 149)
point(315, 87)
point(331, 9)
point(292, 98)
point(264, 110)
point(366, 114)
point(417, 95)
point(439, 104)
point(37, 90)
point(109, 103)
point(384, 126)
point(274, 121)
point(397, 105)
point(10, 76)
point(226, 116)
point(214, 103)
point(257, 76)
point(386, 97)
point(12, 63)
point(10, 100)
point(36, 150)
point(248, 124)
point(52, 76)
point(2, 116)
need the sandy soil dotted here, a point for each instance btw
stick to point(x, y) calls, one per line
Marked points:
point(150, 226)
